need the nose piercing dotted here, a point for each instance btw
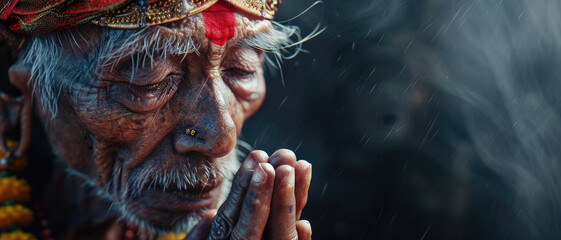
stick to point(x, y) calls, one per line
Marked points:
point(191, 132)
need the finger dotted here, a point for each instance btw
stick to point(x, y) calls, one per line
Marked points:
point(303, 177)
point(255, 210)
point(282, 219)
point(200, 231)
point(283, 157)
point(304, 230)
point(229, 211)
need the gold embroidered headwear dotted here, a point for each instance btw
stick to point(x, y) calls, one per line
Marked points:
point(150, 13)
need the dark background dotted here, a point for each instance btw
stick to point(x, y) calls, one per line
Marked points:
point(423, 119)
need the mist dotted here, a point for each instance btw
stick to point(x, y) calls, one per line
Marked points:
point(424, 119)
point(501, 60)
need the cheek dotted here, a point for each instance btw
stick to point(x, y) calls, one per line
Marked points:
point(66, 130)
point(105, 118)
point(251, 94)
point(248, 98)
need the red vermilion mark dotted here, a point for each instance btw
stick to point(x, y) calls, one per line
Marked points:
point(220, 23)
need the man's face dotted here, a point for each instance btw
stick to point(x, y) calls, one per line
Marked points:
point(124, 128)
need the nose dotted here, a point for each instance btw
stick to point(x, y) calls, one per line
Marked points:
point(208, 113)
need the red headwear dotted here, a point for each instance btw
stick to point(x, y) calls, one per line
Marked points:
point(44, 16)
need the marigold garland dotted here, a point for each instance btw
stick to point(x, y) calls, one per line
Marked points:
point(17, 235)
point(14, 189)
point(15, 214)
point(171, 236)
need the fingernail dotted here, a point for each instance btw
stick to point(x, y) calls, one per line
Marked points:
point(309, 174)
point(274, 159)
point(290, 180)
point(249, 163)
point(259, 175)
point(279, 155)
point(306, 165)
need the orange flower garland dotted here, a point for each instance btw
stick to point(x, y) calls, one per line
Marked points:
point(17, 235)
point(15, 214)
point(14, 189)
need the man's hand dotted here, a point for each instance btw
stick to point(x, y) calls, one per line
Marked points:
point(265, 202)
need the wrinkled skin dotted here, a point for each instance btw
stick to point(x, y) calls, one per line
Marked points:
point(112, 131)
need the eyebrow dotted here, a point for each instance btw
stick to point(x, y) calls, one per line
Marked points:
point(144, 45)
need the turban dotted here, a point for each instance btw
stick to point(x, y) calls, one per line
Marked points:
point(45, 16)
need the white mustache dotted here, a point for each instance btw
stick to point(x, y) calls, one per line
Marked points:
point(182, 177)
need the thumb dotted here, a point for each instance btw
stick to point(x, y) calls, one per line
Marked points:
point(201, 230)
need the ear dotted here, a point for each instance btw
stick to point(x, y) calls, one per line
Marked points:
point(17, 111)
point(20, 76)
point(15, 41)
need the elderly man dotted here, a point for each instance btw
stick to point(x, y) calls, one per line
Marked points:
point(142, 103)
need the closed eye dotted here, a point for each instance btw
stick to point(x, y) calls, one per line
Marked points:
point(156, 89)
point(238, 74)
point(146, 98)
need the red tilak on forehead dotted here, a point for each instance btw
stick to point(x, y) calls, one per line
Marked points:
point(220, 23)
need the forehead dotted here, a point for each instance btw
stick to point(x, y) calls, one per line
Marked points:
point(196, 29)
point(175, 39)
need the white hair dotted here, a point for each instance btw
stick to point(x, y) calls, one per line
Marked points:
point(60, 59)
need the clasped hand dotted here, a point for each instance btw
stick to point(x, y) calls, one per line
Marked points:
point(265, 202)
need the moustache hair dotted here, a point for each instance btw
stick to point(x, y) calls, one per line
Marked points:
point(197, 173)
